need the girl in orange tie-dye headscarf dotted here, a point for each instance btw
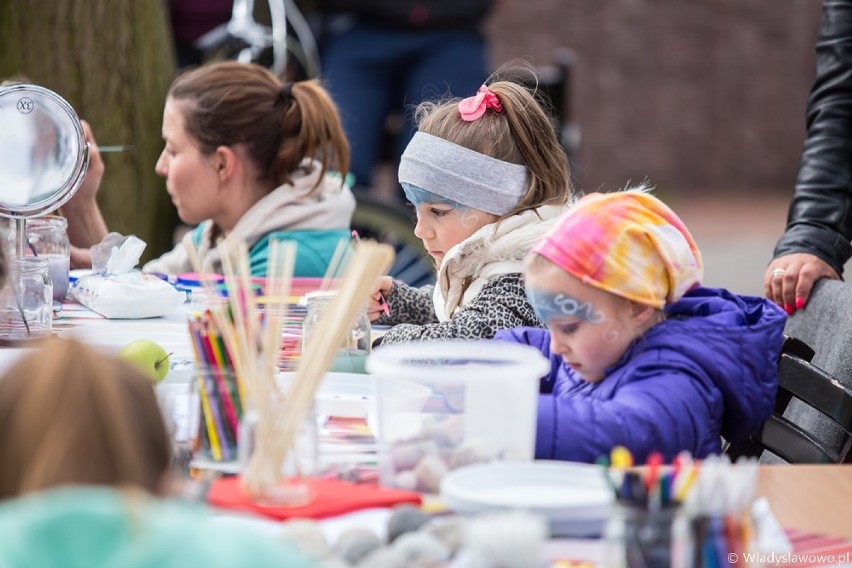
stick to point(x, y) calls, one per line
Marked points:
point(643, 356)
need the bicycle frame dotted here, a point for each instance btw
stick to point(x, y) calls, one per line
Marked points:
point(257, 38)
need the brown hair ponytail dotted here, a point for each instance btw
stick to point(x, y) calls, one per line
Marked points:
point(310, 127)
point(228, 103)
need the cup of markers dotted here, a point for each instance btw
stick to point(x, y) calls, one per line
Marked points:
point(648, 527)
point(681, 514)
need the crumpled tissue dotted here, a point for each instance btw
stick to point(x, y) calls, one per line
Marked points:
point(117, 290)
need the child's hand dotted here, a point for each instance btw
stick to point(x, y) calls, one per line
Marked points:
point(378, 305)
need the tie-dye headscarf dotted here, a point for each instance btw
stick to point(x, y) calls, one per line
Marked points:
point(628, 243)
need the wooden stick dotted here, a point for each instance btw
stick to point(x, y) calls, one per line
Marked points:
point(261, 472)
point(334, 267)
point(226, 328)
point(283, 260)
point(371, 261)
point(248, 356)
point(279, 415)
point(248, 295)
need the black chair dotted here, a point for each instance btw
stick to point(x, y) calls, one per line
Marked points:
point(799, 379)
point(826, 325)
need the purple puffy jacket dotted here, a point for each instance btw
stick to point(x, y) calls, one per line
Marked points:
point(709, 369)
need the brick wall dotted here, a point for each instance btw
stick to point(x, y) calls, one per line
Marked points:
point(695, 95)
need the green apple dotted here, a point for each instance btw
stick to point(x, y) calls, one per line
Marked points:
point(148, 356)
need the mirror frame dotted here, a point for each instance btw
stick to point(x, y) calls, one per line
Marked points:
point(81, 164)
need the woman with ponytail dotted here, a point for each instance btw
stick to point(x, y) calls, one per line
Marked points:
point(246, 158)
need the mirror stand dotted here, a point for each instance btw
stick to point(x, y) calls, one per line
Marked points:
point(43, 160)
point(20, 237)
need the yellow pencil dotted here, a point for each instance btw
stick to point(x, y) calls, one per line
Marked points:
point(194, 330)
point(687, 483)
point(215, 449)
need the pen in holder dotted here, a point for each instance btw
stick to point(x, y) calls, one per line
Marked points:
point(641, 537)
point(643, 534)
point(721, 525)
point(682, 514)
point(649, 526)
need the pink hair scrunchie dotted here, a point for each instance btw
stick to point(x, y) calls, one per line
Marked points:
point(473, 107)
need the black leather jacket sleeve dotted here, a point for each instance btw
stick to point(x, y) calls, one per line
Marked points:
point(819, 221)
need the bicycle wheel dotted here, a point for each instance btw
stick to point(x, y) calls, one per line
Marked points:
point(385, 223)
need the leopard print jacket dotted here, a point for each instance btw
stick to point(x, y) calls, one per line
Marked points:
point(501, 304)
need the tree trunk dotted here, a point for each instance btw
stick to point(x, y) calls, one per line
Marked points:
point(112, 60)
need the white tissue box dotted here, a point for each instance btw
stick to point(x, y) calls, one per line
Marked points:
point(132, 295)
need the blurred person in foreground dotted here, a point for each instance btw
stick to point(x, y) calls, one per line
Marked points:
point(85, 471)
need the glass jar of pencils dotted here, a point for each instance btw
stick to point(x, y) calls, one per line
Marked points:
point(289, 485)
point(26, 300)
point(353, 353)
point(218, 417)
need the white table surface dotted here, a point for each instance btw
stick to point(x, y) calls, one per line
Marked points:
point(374, 519)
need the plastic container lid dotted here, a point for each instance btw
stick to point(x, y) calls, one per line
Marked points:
point(478, 360)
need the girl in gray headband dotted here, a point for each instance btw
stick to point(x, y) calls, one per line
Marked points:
point(487, 177)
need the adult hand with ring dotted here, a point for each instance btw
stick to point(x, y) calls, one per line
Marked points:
point(789, 279)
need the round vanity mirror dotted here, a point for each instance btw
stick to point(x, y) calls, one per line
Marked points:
point(43, 154)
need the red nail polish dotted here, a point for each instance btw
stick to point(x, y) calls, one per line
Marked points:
point(789, 309)
point(800, 302)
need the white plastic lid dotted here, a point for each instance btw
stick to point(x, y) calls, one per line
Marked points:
point(478, 360)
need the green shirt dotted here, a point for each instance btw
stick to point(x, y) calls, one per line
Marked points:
point(314, 249)
point(93, 527)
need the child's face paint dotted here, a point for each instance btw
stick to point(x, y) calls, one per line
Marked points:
point(588, 327)
point(559, 306)
point(443, 223)
point(418, 196)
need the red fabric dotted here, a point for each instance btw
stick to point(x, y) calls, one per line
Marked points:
point(331, 497)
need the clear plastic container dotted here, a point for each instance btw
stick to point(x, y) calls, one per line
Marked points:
point(26, 301)
point(482, 407)
point(353, 353)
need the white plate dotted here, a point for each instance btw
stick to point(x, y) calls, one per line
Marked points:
point(574, 497)
point(112, 336)
point(352, 395)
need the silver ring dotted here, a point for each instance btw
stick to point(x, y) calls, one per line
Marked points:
point(778, 272)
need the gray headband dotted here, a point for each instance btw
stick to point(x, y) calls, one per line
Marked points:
point(462, 175)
